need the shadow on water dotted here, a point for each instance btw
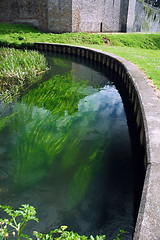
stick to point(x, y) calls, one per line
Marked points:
point(67, 150)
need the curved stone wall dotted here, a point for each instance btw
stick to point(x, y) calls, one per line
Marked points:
point(146, 110)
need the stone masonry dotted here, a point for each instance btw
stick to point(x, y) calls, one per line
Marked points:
point(25, 11)
point(67, 15)
point(60, 16)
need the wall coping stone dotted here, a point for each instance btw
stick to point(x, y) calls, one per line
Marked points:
point(148, 221)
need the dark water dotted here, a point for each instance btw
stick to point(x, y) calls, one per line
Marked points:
point(67, 151)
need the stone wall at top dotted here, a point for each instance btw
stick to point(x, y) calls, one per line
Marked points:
point(131, 15)
point(147, 18)
point(59, 16)
point(86, 15)
point(99, 15)
point(4, 11)
point(124, 8)
point(32, 12)
point(111, 16)
point(82, 15)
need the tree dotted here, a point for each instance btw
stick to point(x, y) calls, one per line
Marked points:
point(154, 3)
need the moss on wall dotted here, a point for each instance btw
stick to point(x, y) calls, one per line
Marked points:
point(147, 18)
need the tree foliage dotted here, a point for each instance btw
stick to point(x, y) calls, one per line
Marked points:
point(154, 3)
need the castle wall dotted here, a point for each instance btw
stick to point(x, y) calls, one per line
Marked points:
point(99, 15)
point(131, 15)
point(82, 15)
point(32, 12)
point(124, 9)
point(4, 11)
point(87, 15)
point(111, 16)
point(59, 16)
point(147, 18)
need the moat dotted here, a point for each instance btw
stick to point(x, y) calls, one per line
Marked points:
point(68, 150)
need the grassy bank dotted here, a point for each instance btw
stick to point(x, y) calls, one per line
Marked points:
point(20, 35)
point(148, 60)
point(18, 70)
point(141, 49)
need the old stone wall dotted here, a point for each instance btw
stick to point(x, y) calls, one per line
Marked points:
point(87, 15)
point(59, 16)
point(99, 15)
point(124, 8)
point(131, 15)
point(111, 16)
point(147, 18)
point(32, 12)
point(82, 15)
point(4, 11)
point(68, 15)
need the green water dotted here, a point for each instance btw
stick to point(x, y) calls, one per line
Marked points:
point(65, 149)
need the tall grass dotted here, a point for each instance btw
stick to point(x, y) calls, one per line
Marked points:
point(19, 69)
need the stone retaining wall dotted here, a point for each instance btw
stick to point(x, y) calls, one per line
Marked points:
point(146, 109)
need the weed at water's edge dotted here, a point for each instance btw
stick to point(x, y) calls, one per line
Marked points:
point(14, 227)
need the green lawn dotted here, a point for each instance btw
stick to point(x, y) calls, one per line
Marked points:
point(147, 60)
point(141, 49)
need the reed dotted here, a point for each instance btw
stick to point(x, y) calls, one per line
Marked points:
point(18, 70)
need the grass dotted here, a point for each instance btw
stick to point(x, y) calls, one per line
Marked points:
point(148, 60)
point(20, 34)
point(19, 69)
point(141, 49)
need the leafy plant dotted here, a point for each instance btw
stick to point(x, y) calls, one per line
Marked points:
point(120, 235)
point(15, 225)
point(66, 235)
point(18, 219)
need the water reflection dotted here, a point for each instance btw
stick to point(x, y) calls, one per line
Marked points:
point(66, 150)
